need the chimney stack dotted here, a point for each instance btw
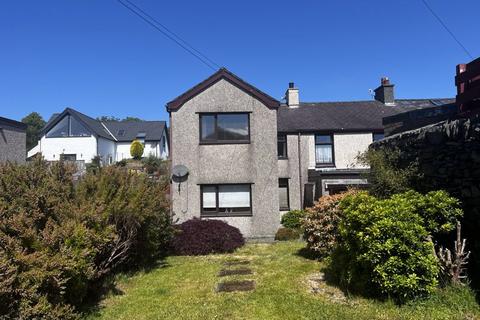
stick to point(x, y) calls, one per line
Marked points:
point(384, 93)
point(292, 97)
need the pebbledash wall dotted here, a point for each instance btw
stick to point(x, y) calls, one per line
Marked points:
point(254, 163)
point(448, 155)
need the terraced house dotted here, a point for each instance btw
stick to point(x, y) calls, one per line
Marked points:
point(241, 156)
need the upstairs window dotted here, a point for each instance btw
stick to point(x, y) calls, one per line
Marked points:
point(68, 127)
point(324, 149)
point(282, 146)
point(141, 136)
point(224, 128)
point(378, 136)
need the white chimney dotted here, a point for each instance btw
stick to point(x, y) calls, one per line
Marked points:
point(292, 97)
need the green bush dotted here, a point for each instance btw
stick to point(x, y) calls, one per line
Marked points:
point(384, 249)
point(58, 242)
point(285, 234)
point(136, 149)
point(292, 218)
point(320, 224)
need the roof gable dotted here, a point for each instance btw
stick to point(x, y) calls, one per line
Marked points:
point(224, 74)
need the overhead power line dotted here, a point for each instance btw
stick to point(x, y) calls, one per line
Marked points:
point(446, 28)
point(169, 34)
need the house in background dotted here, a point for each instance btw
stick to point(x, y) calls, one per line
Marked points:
point(249, 157)
point(74, 136)
point(13, 140)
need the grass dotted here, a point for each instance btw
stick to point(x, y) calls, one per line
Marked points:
point(184, 288)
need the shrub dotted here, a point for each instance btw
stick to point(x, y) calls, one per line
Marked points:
point(136, 149)
point(285, 234)
point(389, 173)
point(292, 218)
point(384, 249)
point(320, 224)
point(58, 242)
point(200, 237)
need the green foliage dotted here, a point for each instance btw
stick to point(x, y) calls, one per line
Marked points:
point(136, 149)
point(320, 224)
point(389, 173)
point(384, 249)
point(112, 118)
point(285, 234)
point(58, 242)
point(153, 164)
point(35, 124)
point(95, 166)
point(292, 218)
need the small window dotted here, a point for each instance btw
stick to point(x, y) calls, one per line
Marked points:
point(68, 157)
point(378, 136)
point(224, 128)
point(121, 133)
point(282, 146)
point(226, 200)
point(283, 194)
point(141, 137)
point(324, 149)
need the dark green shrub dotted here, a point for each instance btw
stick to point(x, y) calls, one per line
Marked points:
point(58, 242)
point(200, 237)
point(136, 149)
point(320, 224)
point(384, 249)
point(285, 234)
point(292, 218)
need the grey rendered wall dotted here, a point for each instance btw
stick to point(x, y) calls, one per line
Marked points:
point(12, 145)
point(254, 163)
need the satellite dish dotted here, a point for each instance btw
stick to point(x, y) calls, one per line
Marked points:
point(179, 173)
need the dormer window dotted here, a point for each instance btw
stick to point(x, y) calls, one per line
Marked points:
point(68, 127)
point(141, 137)
point(121, 133)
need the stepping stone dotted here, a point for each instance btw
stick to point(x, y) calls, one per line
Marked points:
point(236, 262)
point(232, 286)
point(239, 271)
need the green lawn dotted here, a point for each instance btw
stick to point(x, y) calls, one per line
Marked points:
point(185, 289)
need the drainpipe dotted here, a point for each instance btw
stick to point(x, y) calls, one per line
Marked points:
point(300, 171)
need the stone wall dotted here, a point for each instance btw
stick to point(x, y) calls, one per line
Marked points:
point(12, 144)
point(448, 154)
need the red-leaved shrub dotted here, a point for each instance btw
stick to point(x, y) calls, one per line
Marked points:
point(200, 237)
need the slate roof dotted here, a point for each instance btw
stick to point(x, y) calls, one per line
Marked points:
point(153, 129)
point(9, 123)
point(346, 116)
point(224, 74)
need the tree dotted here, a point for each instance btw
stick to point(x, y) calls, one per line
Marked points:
point(112, 118)
point(134, 119)
point(35, 124)
point(136, 149)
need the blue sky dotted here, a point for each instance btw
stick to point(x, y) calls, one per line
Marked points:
point(99, 58)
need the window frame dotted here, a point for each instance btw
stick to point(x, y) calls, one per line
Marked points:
point(216, 141)
point(280, 180)
point(69, 117)
point(218, 213)
point(283, 156)
point(332, 143)
point(68, 155)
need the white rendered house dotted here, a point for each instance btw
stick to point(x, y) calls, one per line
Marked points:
point(74, 136)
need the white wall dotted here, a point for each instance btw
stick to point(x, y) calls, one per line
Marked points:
point(123, 150)
point(84, 147)
point(164, 152)
point(106, 150)
point(346, 148)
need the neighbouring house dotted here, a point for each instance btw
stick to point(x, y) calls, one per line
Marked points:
point(13, 140)
point(74, 136)
point(246, 158)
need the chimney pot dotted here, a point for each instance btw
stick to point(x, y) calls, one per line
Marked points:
point(291, 85)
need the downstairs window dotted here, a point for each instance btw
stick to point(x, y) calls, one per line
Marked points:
point(226, 200)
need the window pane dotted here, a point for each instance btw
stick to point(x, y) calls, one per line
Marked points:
point(283, 193)
point(323, 139)
point(60, 129)
point(323, 153)
point(77, 129)
point(282, 146)
point(232, 126)
point(208, 127)
point(378, 136)
point(234, 196)
point(209, 198)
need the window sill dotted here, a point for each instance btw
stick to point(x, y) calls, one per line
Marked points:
point(284, 209)
point(223, 142)
point(325, 165)
point(282, 158)
point(226, 215)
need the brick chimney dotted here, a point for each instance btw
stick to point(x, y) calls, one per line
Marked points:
point(384, 93)
point(292, 97)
